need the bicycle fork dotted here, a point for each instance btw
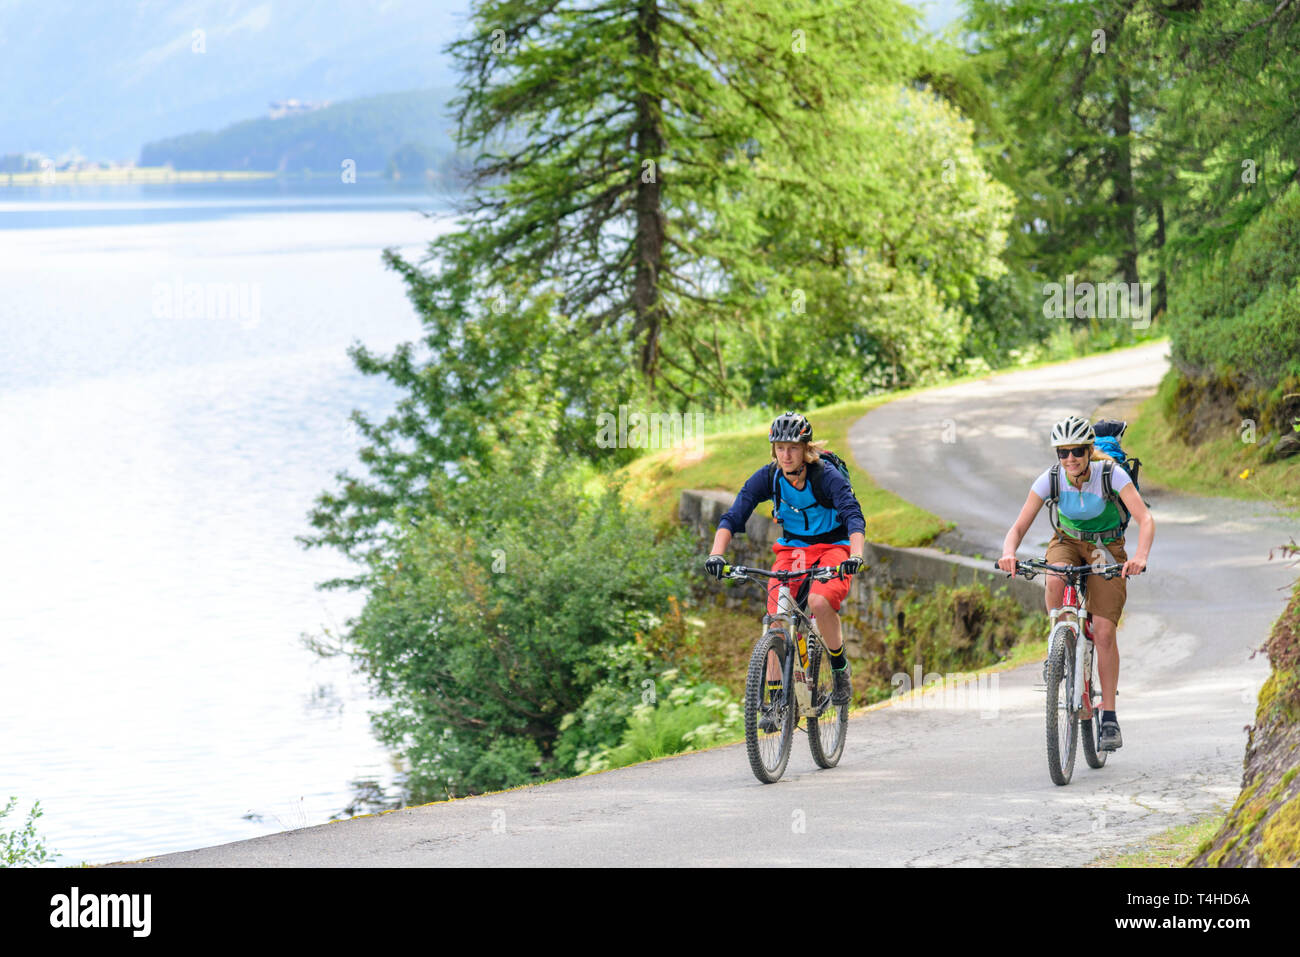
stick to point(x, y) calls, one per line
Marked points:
point(1083, 703)
point(1081, 627)
point(1080, 700)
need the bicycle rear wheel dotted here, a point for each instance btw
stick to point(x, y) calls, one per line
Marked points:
point(825, 733)
point(1062, 722)
point(768, 751)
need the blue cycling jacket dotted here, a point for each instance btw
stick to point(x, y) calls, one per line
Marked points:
point(804, 521)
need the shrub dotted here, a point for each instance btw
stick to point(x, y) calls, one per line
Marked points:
point(23, 847)
point(492, 614)
point(1240, 314)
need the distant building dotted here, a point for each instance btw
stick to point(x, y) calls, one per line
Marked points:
point(283, 108)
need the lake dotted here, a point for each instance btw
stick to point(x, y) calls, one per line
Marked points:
point(174, 393)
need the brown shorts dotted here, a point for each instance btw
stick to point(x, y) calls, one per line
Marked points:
point(1105, 596)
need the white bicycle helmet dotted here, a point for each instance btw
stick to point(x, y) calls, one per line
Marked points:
point(1073, 431)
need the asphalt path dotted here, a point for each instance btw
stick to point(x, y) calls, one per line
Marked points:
point(961, 781)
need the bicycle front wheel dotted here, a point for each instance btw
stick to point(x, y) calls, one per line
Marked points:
point(828, 723)
point(769, 750)
point(1062, 722)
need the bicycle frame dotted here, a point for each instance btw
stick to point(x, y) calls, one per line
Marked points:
point(791, 645)
point(799, 629)
point(1072, 613)
point(789, 613)
point(1072, 604)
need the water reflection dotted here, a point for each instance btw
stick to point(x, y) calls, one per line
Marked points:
point(372, 797)
point(158, 697)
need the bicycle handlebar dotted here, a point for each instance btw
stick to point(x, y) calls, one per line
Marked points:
point(819, 573)
point(1036, 566)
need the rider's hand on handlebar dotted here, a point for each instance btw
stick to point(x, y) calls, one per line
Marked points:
point(714, 566)
point(1008, 564)
point(1133, 567)
point(850, 565)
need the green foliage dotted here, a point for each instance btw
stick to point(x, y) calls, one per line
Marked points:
point(1075, 87)
point(1005, 318)
point(627, 677)
point(951, 629)
point(476, 387)
point(488, 610)
point(1240, 313)
point(668, 713)
point(1141, 137)
point(642, 710)
point(700, 207)
point(23, 847)
point(693, 716)
point(873, 294)
point(368, 131)
point(1230, 109)
point(673, 246)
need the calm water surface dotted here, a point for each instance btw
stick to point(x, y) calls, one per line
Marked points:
point(156, 468)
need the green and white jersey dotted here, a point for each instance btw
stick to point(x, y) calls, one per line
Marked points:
point(1085, 509)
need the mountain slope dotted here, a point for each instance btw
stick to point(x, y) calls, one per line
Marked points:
point(367, 131)
point(106, 77)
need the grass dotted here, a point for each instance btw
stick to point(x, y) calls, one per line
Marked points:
point(725, 643)
point(725, 460)
point(1170, 848)
point(1223, 466)
point(1024, 653)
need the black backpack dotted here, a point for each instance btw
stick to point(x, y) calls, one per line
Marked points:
point(830, 457)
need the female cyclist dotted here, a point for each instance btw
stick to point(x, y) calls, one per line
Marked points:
point(1091, 530)
point(821, 523)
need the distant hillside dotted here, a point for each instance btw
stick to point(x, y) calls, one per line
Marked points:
point(106, 77)
point(406, 131)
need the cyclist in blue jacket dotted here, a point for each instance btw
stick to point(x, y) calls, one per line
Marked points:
point(821, 522)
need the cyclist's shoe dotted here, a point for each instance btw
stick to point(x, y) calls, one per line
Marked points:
point(1110, 737)
point(843, 689)
point(768, 714)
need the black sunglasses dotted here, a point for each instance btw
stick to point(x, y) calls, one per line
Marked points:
point(1078, 453)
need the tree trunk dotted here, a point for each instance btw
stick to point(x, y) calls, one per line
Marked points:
point(1125, 192)
point(646, 305)
point(1161, 288)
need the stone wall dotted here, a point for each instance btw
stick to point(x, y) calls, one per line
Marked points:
point(890, 571)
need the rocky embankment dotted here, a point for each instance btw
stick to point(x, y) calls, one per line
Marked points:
point(1263, 827)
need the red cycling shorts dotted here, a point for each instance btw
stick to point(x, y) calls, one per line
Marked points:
point(805, 556)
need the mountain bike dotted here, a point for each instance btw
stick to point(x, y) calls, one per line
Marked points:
point(791, 649)
point(1073, 692)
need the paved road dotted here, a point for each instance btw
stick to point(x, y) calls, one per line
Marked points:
point(920, 786)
